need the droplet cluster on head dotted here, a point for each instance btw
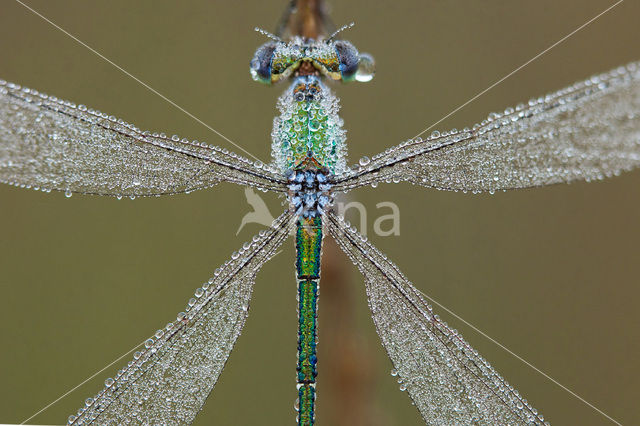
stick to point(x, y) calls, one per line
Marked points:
point(277, 60)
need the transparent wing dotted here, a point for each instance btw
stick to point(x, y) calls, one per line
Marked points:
point(169, 381)
point(446, 378)
point(586, 131)
point(47, 143)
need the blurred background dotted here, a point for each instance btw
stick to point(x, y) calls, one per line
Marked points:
point(551, 273)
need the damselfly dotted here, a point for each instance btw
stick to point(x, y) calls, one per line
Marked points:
point(346, 111)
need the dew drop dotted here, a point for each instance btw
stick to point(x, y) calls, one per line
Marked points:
point(314, 125)
point(366, 68)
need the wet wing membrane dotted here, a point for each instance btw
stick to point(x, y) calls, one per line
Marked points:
point(587, 131)
point(51, 144)
point(446, 378)
point(169, 380)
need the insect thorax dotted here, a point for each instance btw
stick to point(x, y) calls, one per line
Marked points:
point(308, 127)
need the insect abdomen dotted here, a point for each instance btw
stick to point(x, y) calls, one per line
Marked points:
point(308, 252)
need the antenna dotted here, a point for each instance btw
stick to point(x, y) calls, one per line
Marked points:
point(339, 30)
point(268, 34)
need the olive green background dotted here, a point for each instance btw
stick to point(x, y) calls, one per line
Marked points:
point(551, 273)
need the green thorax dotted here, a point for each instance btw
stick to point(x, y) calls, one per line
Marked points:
point(308, 126)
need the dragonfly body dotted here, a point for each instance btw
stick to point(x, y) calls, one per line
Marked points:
point(309, 148)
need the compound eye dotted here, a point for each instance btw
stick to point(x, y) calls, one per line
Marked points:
point(348, 59)
point(260, 66)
